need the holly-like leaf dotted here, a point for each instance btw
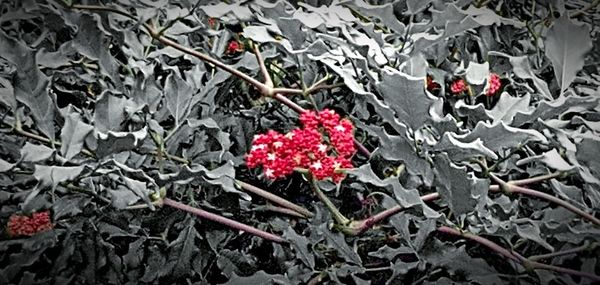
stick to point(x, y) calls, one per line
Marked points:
point(566, 46)
point(551, 159)
point(115, 142)
point(182, 251)
point(407, 97)
point(456, 186)
point(337, 241)
point(300, 245)
point(499, 136)
point(73, 135)
point(260, 277)
point(463, 151)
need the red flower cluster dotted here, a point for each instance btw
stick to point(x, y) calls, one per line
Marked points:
point(431, 85)
point(494, 84)
point(234, 47)
point(323, 145)
point(458, 86)
point(19, 225)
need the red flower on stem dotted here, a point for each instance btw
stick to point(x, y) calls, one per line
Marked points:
point(494, 84)
point(323, 146)
point(234, 47)
point(458, 86)
point(19, 225)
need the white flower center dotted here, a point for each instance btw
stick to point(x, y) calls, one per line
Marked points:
point(316, 165)
point(340, 128)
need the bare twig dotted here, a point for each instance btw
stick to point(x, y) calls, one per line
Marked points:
point(274, 198)
point(585, 247)
point(263, 67)
point(222, 220)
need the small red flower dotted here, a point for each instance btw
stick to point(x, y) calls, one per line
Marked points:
point(211, 22)
point(494, 84)
point(323, 146)
point(19, 225)
point(458, 86)
point(234, 47)
point(431, 85)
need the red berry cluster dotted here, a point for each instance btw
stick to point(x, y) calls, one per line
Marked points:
point(458, 86)
point(494, 84)
point(19, 225)
point(234, 47)
point(323, 145)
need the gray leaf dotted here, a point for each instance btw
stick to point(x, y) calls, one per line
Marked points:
point(5, 166)
point(550, 158)
point(109, 112)
point(300, 245)
point(52, 175)
point(7, 94)
point(31, 84)
point(508, 106)
point(552, 109)
point(178, 95)
point(500, 136)
point(35, 152)
point(338, 242)
point(463, 151)
point(456, 186)
point(477, 73)
point(407, 97)
point(73, 135)
point(566, 46)
point(115, 142)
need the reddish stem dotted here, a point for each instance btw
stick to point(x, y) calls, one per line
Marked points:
point(222, 220)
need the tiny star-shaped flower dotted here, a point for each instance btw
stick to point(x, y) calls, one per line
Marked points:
point(269, 173)
point(277, 144)
point(259, 146)
point(322, 148)
point(317, 165)
point(340, 128)
point(271, 156)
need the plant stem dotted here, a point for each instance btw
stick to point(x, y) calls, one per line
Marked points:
point(274, 198)
point(515, 256)
point(585, 9)
point(586, 246)
point(222, 220)
point(281, 210)
point(263, 67)
point(337, 216)
point(511, 188)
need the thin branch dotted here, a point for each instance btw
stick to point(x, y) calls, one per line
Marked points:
point(584, 9)
point(222, 220)
point(281, 210)
point(289, 91)
point(585, 247)
point(274, 198)
point(511, 188)
point(157, 35)
point(536, 179)
point(515, 256)
point(337, 215)
point(263, 68)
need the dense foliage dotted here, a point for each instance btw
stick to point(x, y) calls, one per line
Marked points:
point(173, 142)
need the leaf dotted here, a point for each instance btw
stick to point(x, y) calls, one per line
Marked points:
point(477, 73)
point(456, 186)
point(499, 136)
point(551, 159)
point(566, 46)
point(385, 13)
point(522, 69)
point(5, 166)
point(7, 94)
point(300, 245)
point(73, 135)
point(50, 176)
point(115, 142)
point(406, 198)
point(459, 151)
point(181, 251)
point(109, 113)
point(531, 231)
point(30, 85)
point(178, 95)
point(407, 97)
point(508, 106)
point(338, 242)
point(35, 152)
point(552, 109)
point(259, 277)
